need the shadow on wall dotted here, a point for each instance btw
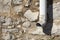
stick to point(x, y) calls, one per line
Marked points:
point(47, 27)
point(49, 18)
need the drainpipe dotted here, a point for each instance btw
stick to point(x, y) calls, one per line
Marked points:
point(42, 11)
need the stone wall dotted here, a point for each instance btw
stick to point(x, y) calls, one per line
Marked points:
point(19, 20)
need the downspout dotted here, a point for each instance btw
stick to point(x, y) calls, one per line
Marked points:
point(42, 12)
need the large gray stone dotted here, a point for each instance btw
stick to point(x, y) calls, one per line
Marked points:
point(55, 29)
point(26, 24)
point(18, 9)
point(8, 21)
point(37, 30)
point(56, 19)
point(2, 19)
point(56, 10)
point(17, 1)
point(6, 5)
point(32, 16)
point(10, 30)
point(6, 36)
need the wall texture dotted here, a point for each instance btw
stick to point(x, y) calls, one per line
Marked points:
point(19, 20)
